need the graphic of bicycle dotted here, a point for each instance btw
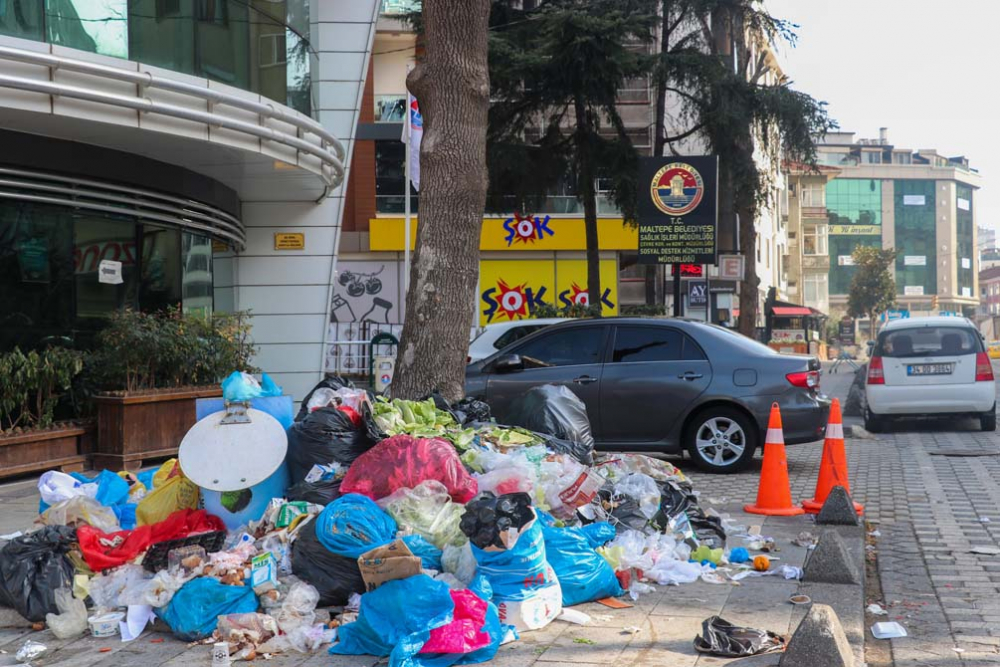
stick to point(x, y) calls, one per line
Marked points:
point(358, 284)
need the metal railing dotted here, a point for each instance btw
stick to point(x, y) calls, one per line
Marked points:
point(332, 161)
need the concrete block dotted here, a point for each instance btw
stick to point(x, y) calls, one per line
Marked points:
point(819, 641)
point(838, 510)
point(830, 562)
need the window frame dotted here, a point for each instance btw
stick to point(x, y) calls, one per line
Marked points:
point(820, 234)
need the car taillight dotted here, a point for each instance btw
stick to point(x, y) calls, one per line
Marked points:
point(875, 372)
point(805, 379)
point(984, 369)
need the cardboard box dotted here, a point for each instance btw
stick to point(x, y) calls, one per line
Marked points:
point(388, 562)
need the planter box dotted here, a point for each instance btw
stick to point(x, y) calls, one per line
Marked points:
point(64, 446)
point(132, 428)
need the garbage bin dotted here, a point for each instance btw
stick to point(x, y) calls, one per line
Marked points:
point(237, 457)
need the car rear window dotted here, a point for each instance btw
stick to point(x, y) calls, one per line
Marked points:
point(929, 342)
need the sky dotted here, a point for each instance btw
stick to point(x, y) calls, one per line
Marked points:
point(922, 68)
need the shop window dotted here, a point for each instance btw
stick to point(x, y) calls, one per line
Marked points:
point(197, 290)
point(96, 239)
point(160, 278)
point(814, 240)
point(21, 18)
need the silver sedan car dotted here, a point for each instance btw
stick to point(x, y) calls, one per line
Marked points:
point(663, 385)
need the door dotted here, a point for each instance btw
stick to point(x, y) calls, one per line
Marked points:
point(570, 357)
point(930, 356)
point(653, 374)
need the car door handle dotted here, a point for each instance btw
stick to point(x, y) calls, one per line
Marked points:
point(690, 377)
point(584, 379)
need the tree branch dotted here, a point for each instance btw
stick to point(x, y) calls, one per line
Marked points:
point(685, 135)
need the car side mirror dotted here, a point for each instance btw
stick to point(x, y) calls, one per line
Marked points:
point(508, 363)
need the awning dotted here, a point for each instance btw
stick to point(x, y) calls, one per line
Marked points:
point(792, 311)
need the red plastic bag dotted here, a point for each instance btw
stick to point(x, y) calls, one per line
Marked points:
point(465, 633)
point(106, 550)
point(403, 461)
point(352, 413)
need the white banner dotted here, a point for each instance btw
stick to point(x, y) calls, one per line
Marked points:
point(414, 130)
point(915, 260)
point(964, 204)
point(966, 291)
point(914, 200)
point(966, 263)
point(845, 260)
point(913, 290)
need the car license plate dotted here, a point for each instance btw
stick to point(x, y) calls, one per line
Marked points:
point(929, 369)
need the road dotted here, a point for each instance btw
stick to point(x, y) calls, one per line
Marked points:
point(932, 490)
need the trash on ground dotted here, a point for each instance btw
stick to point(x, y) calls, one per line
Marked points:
point(985, 551)
point(805, 539)
point(888, 630)
point(722, 638)
point(876, 609)
point(800, 599)
point(30, 650)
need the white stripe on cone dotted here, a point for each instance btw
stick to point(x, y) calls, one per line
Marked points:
point(774, 437)
point(835, 431)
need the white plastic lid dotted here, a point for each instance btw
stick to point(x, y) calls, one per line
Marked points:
point(231, 457)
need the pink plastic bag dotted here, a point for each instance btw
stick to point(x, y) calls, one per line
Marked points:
point(464, 634)
point(403, 461)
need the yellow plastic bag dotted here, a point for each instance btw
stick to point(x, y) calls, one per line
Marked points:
point(136, 490)
point(172, 491)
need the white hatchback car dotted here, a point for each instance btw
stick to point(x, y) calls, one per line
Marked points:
point(495, 337)
point(930, 366)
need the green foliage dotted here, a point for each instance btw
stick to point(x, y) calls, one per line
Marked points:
point(138, 351)
point(575, 311)
point(642, 310)
point(873, 290)
point(31, 384)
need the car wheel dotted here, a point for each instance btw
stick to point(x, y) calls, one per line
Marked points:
point(988, 420)
point(721, 440)
point(873, 423)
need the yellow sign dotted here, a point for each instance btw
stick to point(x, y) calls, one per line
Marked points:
point(518, 233)
point(219, 246)
point(511, 290)
point(289, 241)
point(855, 230)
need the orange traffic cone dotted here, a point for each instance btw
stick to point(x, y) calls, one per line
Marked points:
point(833, 468)
point(774, 494)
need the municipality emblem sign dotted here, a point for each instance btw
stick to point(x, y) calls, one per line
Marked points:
point(678, 220)
point(677, 189)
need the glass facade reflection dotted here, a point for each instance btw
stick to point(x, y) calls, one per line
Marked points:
point(964, 234)
point(256, 45)
point(49, 271)
point(916, 237)
point(854, 207)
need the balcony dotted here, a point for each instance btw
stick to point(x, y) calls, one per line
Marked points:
point(818, 212)
point(817, 262)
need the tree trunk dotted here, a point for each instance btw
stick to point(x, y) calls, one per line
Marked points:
point(586, 192)
point(451, 83)
point(748, 288)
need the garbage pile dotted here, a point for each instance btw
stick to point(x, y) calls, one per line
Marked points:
point(417, 530)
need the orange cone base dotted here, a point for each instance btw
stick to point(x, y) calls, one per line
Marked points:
point(785, 511)
point(814, 506)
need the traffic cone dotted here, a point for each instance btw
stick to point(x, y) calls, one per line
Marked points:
point(774, 493)
point(833, 468)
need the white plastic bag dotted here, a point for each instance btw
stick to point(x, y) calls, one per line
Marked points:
point(106, 589)
point(644, 490)
point(81, 510)
point(55, 487)
point(72, 617)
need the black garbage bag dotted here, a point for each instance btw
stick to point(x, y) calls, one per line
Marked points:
point(722, 638)
point(330, 382)
point(558, 412)
point(334, 576)
point(619, 509)
point(33, 567)
point(709, 531)
point(473, 410)
point(322, 437)
point(321, 492)
point(678, 498)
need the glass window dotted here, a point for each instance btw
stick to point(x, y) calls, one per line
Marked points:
point(871, 157)
point(197, 290)
point(964, 227)
point(814, 195)
point(98, 26)
point(814, 240)
point(21, 18)
point(390, 108)
point(902, 158)
point(514, 335)
point(569, 347)
point(914, 204)
point(815, 291)
point(160, 278)
point(389, 175)
point(95, 239)
point(929, 342)
point(634, 344)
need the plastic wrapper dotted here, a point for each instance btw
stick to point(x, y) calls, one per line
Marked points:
point(33, 567)
point(329, 382)
point(558, 412)
point(298, 607)
point(514, 478)
point(344, 396)
point(428, 511)
point(246, 628)
point(644, 490)
point(583, 574)
point(722, 638)
point(106, 589)
point(29, 651)
point(397, 618)
point(323, 436)
point(335, 577)
point(352, 525)
point(567, 485)
point(404, 462)
point(194, 611)
point(71, 621)
point(81, 511)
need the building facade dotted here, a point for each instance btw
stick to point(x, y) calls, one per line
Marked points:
point(918, 202)
point(178, 140)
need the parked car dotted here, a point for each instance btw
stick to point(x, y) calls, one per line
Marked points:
point(663, 385)
point(930, 366)
point(495, 337)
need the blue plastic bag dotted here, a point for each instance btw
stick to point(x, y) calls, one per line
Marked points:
point(583, 573)
point(354, 524)
point(194, 611)
point(111, 489)
point(240, 387)
point(430, 555)
point(268, 387)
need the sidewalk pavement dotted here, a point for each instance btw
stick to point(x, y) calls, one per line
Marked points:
point(667, 620)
